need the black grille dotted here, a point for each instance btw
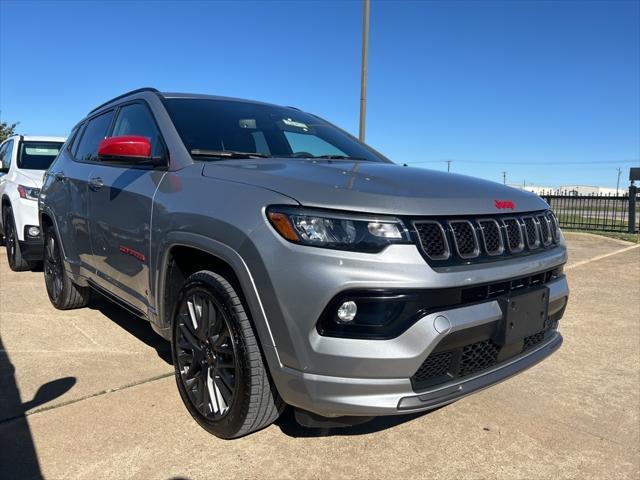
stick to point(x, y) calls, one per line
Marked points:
point(554, 226)
point(436, 365)
point(544, 228)
point(465, 239)
point(443, 366)
point(451, 241)
point(432, 240)
point(514, 234)
point(478, 356)
point(491, 236)
point(454, 357)
point(532, 232)
point(533, 340)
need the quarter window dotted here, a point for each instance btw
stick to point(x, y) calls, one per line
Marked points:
point(95, 131)
point(75, 139)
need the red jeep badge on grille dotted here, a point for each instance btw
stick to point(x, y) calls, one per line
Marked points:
point(501, 204)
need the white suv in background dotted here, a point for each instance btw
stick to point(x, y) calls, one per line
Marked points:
point(24, 160)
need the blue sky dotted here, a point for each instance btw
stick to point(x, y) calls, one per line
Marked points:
point(548, 91)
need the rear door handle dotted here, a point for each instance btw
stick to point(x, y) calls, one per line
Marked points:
point(96, 183)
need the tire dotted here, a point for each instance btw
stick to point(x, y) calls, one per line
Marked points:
point(63, 293)
point(219, 368)
point(14, 255)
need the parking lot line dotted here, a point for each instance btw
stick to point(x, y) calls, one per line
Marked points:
point(600, 257)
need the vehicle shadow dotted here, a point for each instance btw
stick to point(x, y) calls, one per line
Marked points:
point(288, 425)
point(18, 457)
point(139, 328)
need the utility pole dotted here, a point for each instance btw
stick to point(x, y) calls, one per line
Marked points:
point(618, 184)
point(449, 165)
point(504, 178)
point(363, 73)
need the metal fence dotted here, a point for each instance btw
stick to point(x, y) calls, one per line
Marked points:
point(605, 213)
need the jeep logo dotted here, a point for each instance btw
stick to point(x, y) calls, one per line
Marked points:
point(502, 204)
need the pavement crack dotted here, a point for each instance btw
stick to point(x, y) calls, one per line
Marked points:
point(85, 397)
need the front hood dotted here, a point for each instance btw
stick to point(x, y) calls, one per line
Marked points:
point(30, 178)
point(375, 187)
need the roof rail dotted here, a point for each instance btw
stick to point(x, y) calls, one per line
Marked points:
point(144, 89)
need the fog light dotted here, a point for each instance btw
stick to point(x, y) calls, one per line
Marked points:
point(347, 311)
point(33, 231)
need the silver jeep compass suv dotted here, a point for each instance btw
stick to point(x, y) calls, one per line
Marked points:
point(289, 263)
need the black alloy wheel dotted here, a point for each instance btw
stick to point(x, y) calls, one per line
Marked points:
point(206, 354)
point(219, 370)
point(10, 235)
point(53, 268)
point(63, 293)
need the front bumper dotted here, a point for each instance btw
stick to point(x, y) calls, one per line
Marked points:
point(31, 248)
point(364, 393)
point(32, 251)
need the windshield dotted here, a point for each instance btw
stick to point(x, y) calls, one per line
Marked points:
point(208, 125)
point(38, 155)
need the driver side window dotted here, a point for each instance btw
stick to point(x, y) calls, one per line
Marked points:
point(136, 119)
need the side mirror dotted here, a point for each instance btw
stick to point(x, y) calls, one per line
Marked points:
point(127, 148)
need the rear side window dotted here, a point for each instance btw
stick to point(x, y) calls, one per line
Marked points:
point(95, 131)
point(136, 119)
point(75, 139)
point(38, 155)
point(6, 154)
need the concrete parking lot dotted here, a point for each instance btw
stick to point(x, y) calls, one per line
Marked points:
point(90, 394)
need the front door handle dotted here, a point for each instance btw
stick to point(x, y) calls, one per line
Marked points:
point(59, 176)
point(96, 183)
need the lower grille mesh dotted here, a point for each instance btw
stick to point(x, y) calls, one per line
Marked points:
point(436, 365)
point(478, 356)
point(440, 367)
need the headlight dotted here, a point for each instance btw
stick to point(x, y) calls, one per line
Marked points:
point(29, 193)
point(365, 233)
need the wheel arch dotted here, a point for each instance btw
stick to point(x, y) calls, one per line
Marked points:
point(45, 220)
point(182, 254)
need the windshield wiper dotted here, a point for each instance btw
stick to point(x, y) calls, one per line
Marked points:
point(196, 152)
point(340, 157)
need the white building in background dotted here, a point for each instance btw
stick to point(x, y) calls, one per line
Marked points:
point(590, 190)
point(537, 189)
point(570, 190)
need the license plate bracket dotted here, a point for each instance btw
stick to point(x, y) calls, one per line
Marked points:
point(522, 315)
